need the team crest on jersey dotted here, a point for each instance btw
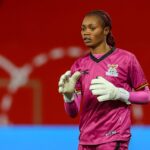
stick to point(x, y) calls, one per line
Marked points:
point(112, 70)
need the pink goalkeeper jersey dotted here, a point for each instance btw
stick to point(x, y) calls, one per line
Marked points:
point(102, 122)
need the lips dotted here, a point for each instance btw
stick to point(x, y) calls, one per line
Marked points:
point(87, 39)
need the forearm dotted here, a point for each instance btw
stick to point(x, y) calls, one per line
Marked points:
point(140, 97)
point(72, 108)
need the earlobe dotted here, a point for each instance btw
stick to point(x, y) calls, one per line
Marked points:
point(106, 31)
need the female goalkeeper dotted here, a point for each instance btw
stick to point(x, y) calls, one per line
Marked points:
point(104, 83)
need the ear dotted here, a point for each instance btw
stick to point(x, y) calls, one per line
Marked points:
point(106, 30)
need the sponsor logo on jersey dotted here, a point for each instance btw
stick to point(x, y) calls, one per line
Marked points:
point(85, 71)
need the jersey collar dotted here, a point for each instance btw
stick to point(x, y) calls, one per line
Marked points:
point(103, 57)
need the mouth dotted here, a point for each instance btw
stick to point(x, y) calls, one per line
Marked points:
point(87, 39)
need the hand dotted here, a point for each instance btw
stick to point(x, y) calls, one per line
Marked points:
point(67, 84)
point(104, 90)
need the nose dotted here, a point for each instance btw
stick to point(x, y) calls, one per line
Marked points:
point(86, 32)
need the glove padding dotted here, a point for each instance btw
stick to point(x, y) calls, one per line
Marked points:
point(67, 84)
point(104, 90)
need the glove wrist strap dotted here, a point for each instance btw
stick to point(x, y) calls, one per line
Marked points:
point(124, 95)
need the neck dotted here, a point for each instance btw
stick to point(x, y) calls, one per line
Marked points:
point(101, 49)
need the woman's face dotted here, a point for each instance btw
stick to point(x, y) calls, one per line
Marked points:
point(92, 32)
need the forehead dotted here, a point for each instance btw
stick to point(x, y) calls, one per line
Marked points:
point(94, 20)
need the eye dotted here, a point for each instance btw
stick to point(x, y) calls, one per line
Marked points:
point(82, 28)
point(92, 28)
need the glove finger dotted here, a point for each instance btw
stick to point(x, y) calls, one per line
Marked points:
point(66, 75)
point(99, 92)
point(63, 77)
point(104, 81)
point(76, 76)
point(61, 82)
point(60, 89)
point(98, 81)
point(97, 86)
point(101, 78)
point(103, 98)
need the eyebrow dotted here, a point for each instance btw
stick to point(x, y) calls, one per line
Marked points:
point(83, 25)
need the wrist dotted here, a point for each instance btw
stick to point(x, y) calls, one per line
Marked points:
point(124, 95)
point(68, 97)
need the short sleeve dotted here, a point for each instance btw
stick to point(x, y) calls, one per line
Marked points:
point(136, 74)
point(76, 67)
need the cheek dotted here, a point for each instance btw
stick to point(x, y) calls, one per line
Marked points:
point(98, 36)
point(81, 33)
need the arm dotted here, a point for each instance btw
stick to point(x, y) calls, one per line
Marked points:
point(104, 90)
point(72, 108)
point(138, 82)
point(71, 98)
point(140, 97)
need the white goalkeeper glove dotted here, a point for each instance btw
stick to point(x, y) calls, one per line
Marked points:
point(104, 90)
point(67, 85)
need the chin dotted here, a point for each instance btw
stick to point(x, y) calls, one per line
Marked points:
point(89, 45)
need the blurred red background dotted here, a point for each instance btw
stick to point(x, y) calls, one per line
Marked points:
point(39, 40)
